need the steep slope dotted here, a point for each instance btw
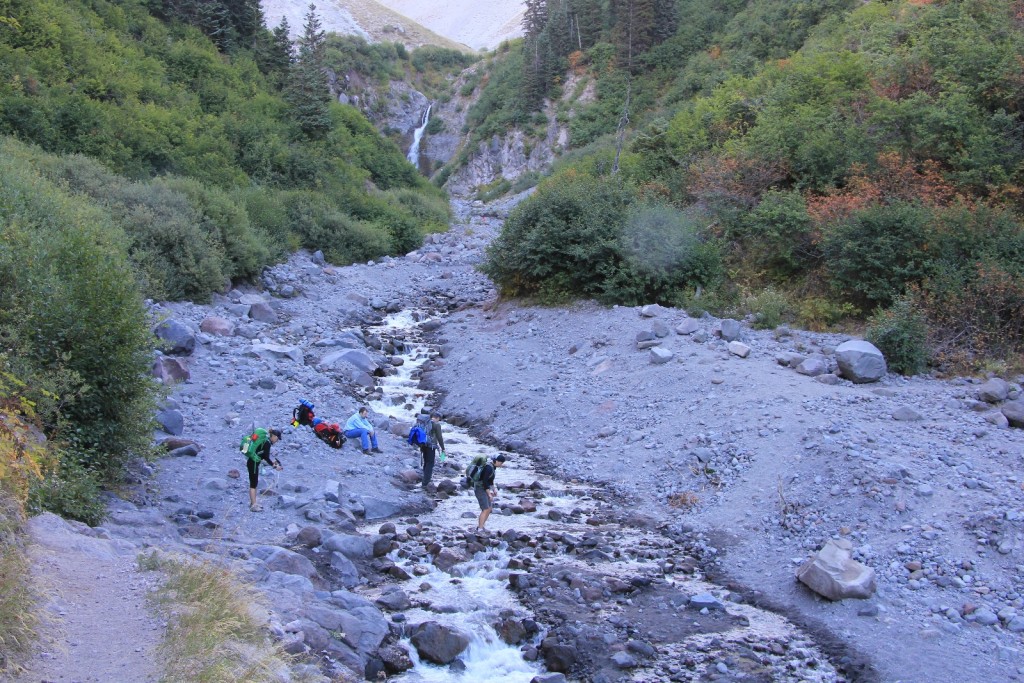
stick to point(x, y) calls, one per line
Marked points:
point(481, 25)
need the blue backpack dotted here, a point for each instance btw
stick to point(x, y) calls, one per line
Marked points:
point(420, 434)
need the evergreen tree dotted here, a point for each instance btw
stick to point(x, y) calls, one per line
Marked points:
point(535, 18)
point(308, 91)
point(588, 21)
point(274, 52)
point(666, 20)
point(636, 29)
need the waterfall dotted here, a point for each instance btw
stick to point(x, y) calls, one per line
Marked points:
point(414, 149)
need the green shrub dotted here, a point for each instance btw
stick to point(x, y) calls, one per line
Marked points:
point(776, 236)
point(68, 294)
point(662, 252)
point(70, 490)
point(564, 235)
point(873, 256)
point(770, 308)
point(901, 333)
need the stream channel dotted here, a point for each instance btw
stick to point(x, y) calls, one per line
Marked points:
point(558, 543)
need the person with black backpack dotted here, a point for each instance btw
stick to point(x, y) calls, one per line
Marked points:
point(480, 475)
point(256, 447)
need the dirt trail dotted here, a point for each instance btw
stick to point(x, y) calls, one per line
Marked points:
point(97, 624)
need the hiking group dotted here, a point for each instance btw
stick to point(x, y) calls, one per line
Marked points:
point(425, 434)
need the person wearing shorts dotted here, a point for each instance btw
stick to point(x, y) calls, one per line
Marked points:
point(485, 490)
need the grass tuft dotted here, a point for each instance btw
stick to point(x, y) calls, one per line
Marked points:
point(212, 634)
point(18, 617)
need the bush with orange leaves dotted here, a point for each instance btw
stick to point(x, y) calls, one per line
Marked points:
point(23, 449)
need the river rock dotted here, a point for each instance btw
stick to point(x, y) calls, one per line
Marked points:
point(190, 450)
point(832, 572)
point(176, 337)
point(378, 508)
point(171, 421)
point(731, 330)
point(1014, 412)
point(906, 414)
point(739, 349)
point(860, 361)
point(558, 657)
point(688, 326)
point(812, 367)
point(278, 351)
point(395, 659)
point(309, 537)
point(351, 546)
point(395, 600)
point(994, 390)
point(660, 355)
point(438, 644)
point(218, 327)
point(448, 558)
point(355, 358)
point(261, 311)
point(284, 560)
point(171, 370)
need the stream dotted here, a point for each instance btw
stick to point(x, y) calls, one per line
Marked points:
point(559, 543)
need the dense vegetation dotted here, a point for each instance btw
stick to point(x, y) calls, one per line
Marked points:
point(161, 149)
point(834, 160)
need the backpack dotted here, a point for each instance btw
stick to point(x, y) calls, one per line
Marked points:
point(303, 414)
point(250, 445)
point(417, 436)
point(421, 432)
point(475, 470)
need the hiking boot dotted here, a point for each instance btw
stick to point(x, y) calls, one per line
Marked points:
point(366, 452)
point(256, 508)
point(377, 450)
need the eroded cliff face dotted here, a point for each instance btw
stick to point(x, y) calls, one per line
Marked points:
point(398, 110)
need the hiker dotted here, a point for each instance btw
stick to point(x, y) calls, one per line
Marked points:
point(256, 447)
point(328, 432)
point(359, 427)
point(481, 476)
point(426, 434)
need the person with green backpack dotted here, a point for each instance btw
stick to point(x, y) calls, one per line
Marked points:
point(480, 475)
point(256, 447)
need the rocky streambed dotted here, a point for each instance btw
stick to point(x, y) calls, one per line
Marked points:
point(649, 519)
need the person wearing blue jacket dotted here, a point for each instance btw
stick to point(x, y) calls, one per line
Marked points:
point(360, 427)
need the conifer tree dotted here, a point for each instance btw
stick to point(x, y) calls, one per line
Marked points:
point(588, 21)
point(535, 18)
point(308, 91)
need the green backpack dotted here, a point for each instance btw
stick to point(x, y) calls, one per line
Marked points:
point(475, 471)
point(251, 444)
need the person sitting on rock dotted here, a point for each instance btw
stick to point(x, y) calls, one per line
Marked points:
point(359, 427)
point(257, 451)
point(328, 432)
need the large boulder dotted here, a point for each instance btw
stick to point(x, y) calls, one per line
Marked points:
point(1014, 413)
point(176, 338)
point(731, 330)
point(438, 644)
point(278, 351)
point(284, 560)
point(357, 358)
point(171, 370)
point(218, 327)
point(171, 421)
point(994, 390)
point(834, 574)
point(262, 312)
point(352, 546)
point(860, 361)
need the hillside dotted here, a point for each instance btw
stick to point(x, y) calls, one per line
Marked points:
point(817, 163)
